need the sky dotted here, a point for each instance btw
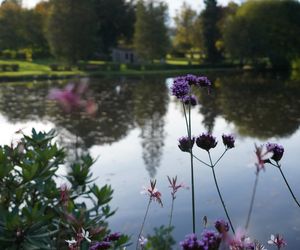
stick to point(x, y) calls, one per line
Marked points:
point(173, 4)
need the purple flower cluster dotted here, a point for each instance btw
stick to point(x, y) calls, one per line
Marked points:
point(228, 141)
point(106, 243)
point(210, 241)
point(185, 144)
point(100, 245)
point(277, 151)
point(182, 85)
point(206, 141)
point(191, 242)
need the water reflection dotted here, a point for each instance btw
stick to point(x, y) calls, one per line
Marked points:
point(260, 105)
point(150, 107)
point(122, 106)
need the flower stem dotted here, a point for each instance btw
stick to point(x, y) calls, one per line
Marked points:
point(221, 198)
point(287, 184)
point(220, 157)
point(144, 220)
point(171, 213)
point(201, 161)
point(185, 118)
point(252, 201)
point(192, 168)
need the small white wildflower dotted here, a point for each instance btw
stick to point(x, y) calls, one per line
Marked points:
point(71, 242)
point(86, 234)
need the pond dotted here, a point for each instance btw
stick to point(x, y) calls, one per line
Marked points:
point(134, 135)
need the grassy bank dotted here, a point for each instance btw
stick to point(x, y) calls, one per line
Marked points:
point(39, 70)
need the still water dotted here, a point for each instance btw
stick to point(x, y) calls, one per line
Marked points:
point(134, 135)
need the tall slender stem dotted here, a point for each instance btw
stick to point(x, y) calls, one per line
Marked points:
point(144, 220)
point(287, 184)
point(220, 157)
point(252, 201)
point(171, 214)
point(192, 168)
point(219, 193)
point(185, 118)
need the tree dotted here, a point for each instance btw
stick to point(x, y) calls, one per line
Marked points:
point(209, 19)
point(10, 26)
point(115, 21)
point(71, 29)
point(151, 39)
point(185, 24)
point(265, 29)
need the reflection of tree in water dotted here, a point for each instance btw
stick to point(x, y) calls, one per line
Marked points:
point(121, 106)
point(151, 100)
point(23, 101)
point(112, 121)
point(260, 106)
point(208, 107)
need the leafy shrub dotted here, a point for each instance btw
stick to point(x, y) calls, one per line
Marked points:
point(34, 212)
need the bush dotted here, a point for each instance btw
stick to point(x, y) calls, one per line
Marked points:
point(35, 212)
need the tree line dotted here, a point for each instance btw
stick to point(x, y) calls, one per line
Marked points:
point(255, 32)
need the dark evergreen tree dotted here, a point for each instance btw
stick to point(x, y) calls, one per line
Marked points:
point(115, 22)
point(210, 17)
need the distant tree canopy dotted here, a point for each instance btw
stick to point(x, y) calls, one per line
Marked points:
point(151, 39)
point(265, 29)
point(185, 27)
point(20, 28)
point(71, 29)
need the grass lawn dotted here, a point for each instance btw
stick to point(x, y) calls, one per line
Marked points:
point(40, 69)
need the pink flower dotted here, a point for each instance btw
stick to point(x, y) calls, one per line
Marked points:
point(174, 186)
point(69, 97)
point(277, 240)
point(240, 241)
point(153, 192)
point(262, 155)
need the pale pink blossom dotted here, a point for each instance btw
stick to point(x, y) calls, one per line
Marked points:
point(277, 240)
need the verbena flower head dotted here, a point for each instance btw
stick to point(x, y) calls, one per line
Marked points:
point(192, 79)
point(100, 245)
point(191, 243)
point(206, 141)
point(210, 240)
point(180, 87)
point(277, 151)
point(228, 141)
point(277, 240)
point(153, 193)
point(174, 186)
point(221, 226)
point(203, 81)
point(185, 144)
point(190, 100)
